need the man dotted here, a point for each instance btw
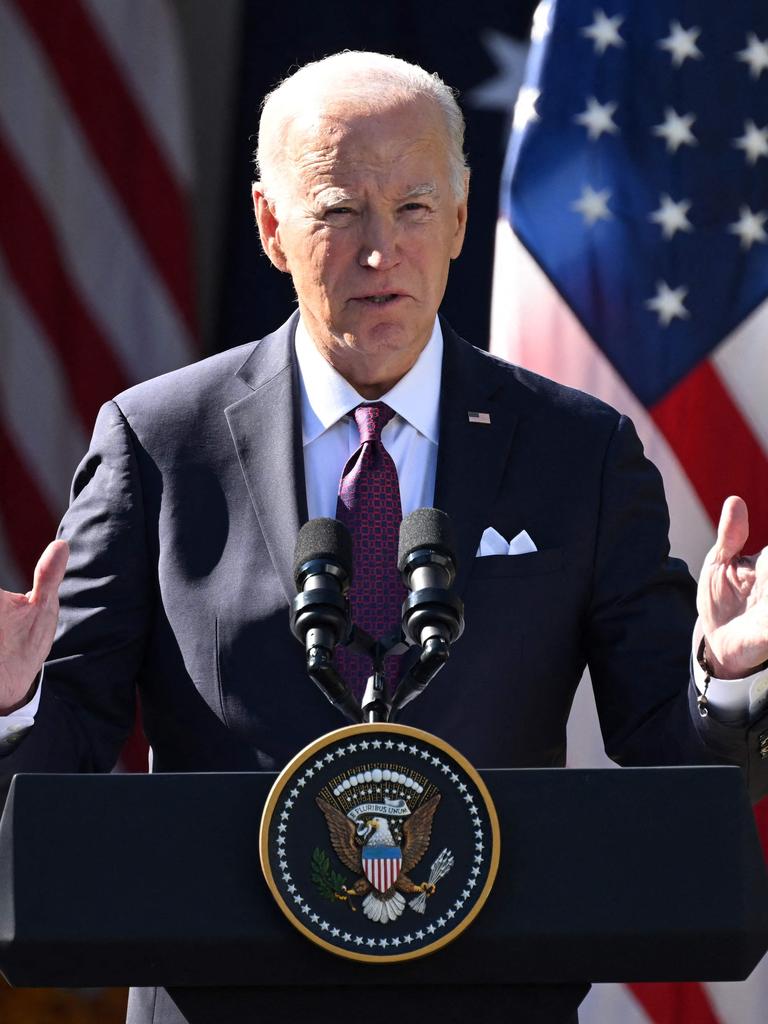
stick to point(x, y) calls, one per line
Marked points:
point(186, 508)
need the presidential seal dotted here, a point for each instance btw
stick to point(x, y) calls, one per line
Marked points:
point(379, 842)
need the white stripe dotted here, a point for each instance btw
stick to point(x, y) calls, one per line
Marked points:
point(10, 577)
point(742, 363)
point(144, 41)
point(612, 1004)
point(532, 326)
point(99, 243)
point(35, 401)
point(737, 1002)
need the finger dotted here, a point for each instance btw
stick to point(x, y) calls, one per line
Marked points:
point(732, 530)
point(49, 572)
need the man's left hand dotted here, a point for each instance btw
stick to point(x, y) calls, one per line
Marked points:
point(733, 598)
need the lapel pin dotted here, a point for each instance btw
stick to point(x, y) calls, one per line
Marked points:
point(479, 417)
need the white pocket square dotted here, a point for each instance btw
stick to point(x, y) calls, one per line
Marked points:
point(492, 543)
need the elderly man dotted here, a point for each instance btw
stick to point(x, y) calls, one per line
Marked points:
point(186, 509)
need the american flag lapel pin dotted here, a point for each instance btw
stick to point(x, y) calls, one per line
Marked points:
point(479, 417)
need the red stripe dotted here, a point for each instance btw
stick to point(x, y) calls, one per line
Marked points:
point(118, 134)
point(674, 1002)
point(35, 263)
point(27, 523)
point(716, 447)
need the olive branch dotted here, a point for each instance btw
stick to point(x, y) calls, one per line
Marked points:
point(327, 881)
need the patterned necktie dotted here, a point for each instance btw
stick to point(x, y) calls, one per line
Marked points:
point(369, 506)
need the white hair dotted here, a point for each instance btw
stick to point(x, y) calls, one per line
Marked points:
point(376, 79)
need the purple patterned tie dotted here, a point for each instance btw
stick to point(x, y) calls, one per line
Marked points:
point(369, 506)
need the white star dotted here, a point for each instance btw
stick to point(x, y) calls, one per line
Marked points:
point(371, 942)
point(314, 918)
point(420, 934)
point(750, 227)
point(668, 303)
point(672, 216)
point(424, 753)
point(294, 792)
point(358, 940)
point(364, 744)
point(431, 929)
point(335, 932)
point(604, 31)
point(454, 777)
point(509, 55)
point(329, 757)
point(676, 130)
point(754, 142)
point(395, 941)
point(318, 765)
point(681, 43)
point(346, 937)
point(352, 748)
point(593, 206)
point(462, 788)
point(375, 744)
point(408, 938)
point(324, 926)
point(598, 118)
point(441, 922)
point(389, 744)
point(383, 943)
point(435, 761)
point(525, 107)
point(401, 745)
point(755, 54)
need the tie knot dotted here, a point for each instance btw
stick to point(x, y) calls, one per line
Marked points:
point(371, 420)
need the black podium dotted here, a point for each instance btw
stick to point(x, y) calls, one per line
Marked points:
point(605, 875)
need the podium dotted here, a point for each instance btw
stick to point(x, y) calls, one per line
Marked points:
point(605, 875)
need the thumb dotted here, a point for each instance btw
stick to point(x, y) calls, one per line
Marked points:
point(49, 572)
point(732, 530)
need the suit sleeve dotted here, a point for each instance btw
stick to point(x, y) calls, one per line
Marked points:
point(641, 618)
point(87, 709)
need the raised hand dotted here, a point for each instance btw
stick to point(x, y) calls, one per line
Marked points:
point(27, 625)
point(733, 598)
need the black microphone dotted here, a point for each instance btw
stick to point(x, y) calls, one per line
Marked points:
point(322, 570)
point(427, 564)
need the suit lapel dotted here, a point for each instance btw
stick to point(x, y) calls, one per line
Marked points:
point(472, 456)
point(266, 430)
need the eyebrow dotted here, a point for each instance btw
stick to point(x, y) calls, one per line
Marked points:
point(427, 189)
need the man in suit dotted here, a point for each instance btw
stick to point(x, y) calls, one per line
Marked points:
point(186, 508)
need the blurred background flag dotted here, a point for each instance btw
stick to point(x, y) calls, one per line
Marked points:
point(632, 262)
point(96, 291)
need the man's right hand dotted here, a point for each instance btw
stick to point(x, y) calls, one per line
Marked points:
point(27, 626)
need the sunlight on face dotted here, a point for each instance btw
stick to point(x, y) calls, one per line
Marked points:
point(367, 225)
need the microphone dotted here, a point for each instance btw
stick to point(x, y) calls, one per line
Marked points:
point(322, 570)
point(427, 564)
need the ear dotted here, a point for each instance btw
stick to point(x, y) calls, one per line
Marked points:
point(269, 227)
point(461, 220)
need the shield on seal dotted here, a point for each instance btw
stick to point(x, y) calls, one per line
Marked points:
point(381, 865)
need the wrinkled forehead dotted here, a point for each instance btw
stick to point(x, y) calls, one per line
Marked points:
point(330, 141)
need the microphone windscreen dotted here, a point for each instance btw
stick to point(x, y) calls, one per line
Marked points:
point(323, 539)
point(425, 528)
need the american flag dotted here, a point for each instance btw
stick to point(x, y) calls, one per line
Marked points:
point(632, 262)
point(95, 285)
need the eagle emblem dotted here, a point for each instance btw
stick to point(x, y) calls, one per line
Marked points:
point(380, 828)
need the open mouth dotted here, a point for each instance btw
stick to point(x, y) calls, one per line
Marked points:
point(379, 300)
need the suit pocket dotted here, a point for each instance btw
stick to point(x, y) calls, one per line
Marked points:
point(534, 563)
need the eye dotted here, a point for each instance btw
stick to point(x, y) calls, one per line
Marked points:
point(415, 207)
point(339, 211)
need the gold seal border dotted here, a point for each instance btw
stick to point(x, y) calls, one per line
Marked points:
point(336, 736)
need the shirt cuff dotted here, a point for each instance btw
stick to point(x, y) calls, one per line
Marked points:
point(732, 701)
point(14, 725)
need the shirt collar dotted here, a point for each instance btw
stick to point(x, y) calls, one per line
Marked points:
point(326, 396)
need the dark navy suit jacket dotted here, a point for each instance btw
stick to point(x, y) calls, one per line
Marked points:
point(182, 526)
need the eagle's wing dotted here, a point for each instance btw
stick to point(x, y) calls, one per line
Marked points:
point(417, 830)
point(342, 833)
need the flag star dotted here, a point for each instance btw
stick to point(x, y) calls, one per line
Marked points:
point(441, 922)
point(371, 942)
point(450, 913)
point(364, 745)
point(672, 216)
point(597, 118)
point(352, 748)
point(291, 888)
point(389, 744)
point(445, 768)
point(472, 883)
point(420, 934)
point(676, 130)
point(314, 918)
point(401, 745)
point(309, 773)
point(454, 777)
point(302, 782)
point(754, 142)
point(318, 765)
point(755, 54)
point(335, 932)
point(593, 206)
point(431, 929)
point(750, 227)
point(358, 940)
point(435, 761)
point(424, 753)
point(462, 788)
point(681, 43)
point(383, 943)
point(346, 937)
point(328, 757)
point(395, 941)
point(408, 938)
point(509, 55)
point(324, 926)
point(294, 792)
point(668, 303)
point(376, 744)
point(604, 31)
point(525, 107)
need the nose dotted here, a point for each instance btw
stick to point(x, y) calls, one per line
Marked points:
point(379, 247)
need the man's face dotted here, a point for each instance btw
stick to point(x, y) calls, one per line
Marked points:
point(366, 223)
